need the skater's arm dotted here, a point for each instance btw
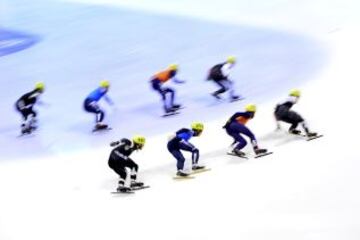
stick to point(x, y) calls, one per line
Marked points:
point(119, 154)
point(176, 80)
point(108, 100)
point(42, 103)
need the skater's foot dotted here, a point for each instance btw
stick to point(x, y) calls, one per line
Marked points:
point(176, 106)
point(234, 98)
point(136, 184)
point(100, 126)
point(238, 152)
point(216, 95)
point(180, 173)
point(123, 189)
point(26, 129)
point(294, 131)
point(311, 134)
point(197, 167)
point(169, 111)
point(260, 151)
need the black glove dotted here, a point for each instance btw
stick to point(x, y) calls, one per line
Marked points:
point(113, 144)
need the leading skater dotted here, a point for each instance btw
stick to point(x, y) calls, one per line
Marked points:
point(284, 113)
point(220, 75)
point(25, 106)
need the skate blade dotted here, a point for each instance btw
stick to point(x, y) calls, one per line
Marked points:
point(315, 137)
point(170, 114)
point(139, 188)
point(101, 130)
point(200, 171)
point(26, 134)
point(183, 178)
point(233, 154)
point(128, 192)
point(263, 154)
point(238, 99)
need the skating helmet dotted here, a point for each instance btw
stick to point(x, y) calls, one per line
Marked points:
point(197, 126)
point(231, 59)
point(139, 140)
point(40, 86)
point(104, 84)
point(173, 67)
point(295, 93)
point(250, 108)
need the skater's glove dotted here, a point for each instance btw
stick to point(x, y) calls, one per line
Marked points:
point(179, 81)
point(113, 144)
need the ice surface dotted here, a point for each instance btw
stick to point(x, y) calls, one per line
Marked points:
point(56, 184)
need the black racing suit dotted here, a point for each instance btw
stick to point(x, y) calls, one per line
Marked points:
point(119, 159)
point(216, 74)
point(26, 102)
point(283, 113)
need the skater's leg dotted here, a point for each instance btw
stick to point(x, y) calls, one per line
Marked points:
point(171, 91)
point(186, 146)
point(222, 89)
point(229, 86)
point(93, 107)
point(134, 167)
point(294, 119)
point(119, 167)
point(174, 149)
point(133, 175)
point(156, 85)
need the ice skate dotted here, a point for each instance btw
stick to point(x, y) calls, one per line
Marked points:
point(235, 98)
point(294, 131)
point(170, 112)
point(238, 153)
point(260, 151)
point(26, 129)
point(197, 167)
point(100, 127)
point(311, 134)
point(215, 95)
point(135, 184)
point(123, 189)
point(176, 107)
point(180, 173)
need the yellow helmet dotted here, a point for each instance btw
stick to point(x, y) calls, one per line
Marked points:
point(138, 139)
point(173, 67)
point(197, 126)
point(104, 84)
point(231, 59)
point(295, 93)
point(250, 108)
point(40, 86)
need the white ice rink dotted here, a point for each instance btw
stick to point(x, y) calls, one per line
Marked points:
point(56, 184)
